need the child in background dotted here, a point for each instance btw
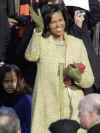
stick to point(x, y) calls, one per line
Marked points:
point(15, 93)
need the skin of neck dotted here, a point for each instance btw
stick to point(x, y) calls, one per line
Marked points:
point(59, 38)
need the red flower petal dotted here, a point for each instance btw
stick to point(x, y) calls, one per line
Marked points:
point(81, 67)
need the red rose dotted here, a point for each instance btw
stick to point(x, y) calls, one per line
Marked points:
point(67, 81)
point(80, 66)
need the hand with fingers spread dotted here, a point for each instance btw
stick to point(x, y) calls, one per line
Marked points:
point(37, 18)
point(79, 17)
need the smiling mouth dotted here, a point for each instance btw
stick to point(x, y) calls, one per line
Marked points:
point(59, 29)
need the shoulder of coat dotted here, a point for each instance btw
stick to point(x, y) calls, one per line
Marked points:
point(70, 37)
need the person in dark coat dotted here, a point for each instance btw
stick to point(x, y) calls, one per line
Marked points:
point(89, 112)
point(15, 93)
point(5, 23)
point(96, 38)
point(4, 30)
point(64, 126)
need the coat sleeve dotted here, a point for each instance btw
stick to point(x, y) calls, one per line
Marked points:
point(87, 79)
point(32, 52)
point(11, 8)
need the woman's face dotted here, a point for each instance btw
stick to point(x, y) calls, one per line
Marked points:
point(57, 25)
point(10, 82)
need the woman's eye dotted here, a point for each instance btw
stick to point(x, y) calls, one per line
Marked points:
point(7, 81)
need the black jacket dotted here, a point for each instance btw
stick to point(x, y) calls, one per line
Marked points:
point(4, 29)
point(94, 129)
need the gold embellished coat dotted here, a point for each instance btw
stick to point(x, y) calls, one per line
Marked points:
point(51, 99)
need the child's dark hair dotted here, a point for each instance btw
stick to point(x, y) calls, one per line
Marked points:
point(22, 87)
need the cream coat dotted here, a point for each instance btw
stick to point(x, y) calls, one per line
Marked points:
point(51, 100)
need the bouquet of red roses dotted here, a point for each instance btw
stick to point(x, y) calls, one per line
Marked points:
point(73, 73)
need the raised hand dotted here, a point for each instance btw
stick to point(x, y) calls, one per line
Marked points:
point(37, 18)
point(79, 18)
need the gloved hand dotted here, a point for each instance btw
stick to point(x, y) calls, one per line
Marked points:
point(37, 18)
point(73, 72)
